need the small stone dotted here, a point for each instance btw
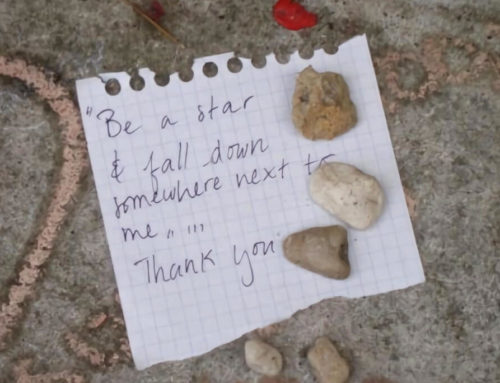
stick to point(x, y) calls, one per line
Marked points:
point(347, 193)
point(322, 250)
point(263, 358)
point(322, 108)
point(327, 364)
point(97, 320)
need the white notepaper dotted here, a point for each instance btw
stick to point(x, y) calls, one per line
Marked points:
point(224, 292)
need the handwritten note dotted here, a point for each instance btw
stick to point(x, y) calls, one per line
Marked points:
point(199, 182)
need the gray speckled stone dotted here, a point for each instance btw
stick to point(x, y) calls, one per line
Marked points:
point(446, 138)
point(346, 192)
point(29, 143)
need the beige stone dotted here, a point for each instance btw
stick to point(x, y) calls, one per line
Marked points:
point(263, 358)
point(346, 192)
point(322, 108)
point(322, 250)
point(327, 364)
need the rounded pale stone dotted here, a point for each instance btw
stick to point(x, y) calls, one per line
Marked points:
point(327, 364)
point(346, 192)
point(322, 250)
point(322, 108)
point(263, 358)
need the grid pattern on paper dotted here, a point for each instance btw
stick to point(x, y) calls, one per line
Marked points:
point(199, 311)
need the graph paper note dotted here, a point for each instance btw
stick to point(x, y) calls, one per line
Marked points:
point(199, 182)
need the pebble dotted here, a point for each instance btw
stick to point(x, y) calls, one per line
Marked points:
point(322, 108)
point(322, 250)
point(263, 358)
point(346, 192)
point(327, 364)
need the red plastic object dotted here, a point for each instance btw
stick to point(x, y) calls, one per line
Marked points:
point(156, 11)
point(293, 16)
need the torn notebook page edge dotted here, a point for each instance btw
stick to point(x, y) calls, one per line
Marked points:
point(148, 75)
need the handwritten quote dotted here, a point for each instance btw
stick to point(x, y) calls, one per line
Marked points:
point(168, 186)
point(199, 183)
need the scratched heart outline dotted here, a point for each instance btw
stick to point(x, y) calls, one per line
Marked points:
point(74, 163)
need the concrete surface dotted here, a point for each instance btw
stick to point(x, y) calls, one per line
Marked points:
point(438, 68)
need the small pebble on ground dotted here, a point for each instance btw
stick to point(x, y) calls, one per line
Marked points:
point(263, 358)
point(327, 364)
point(322, 250)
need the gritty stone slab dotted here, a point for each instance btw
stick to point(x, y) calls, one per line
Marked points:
point(437, 66)
point(346, 192)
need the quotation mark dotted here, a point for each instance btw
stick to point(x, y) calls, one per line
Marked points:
point(195, 228)
point(170, 233)
point(89, 111)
